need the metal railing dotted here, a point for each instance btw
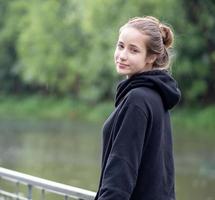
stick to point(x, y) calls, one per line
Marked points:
point(43, 185)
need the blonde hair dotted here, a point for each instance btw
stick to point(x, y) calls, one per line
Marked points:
point(160, 38)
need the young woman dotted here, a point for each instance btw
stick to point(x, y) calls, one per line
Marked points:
point(137, 159)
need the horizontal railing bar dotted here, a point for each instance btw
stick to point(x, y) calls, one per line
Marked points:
point(52, 186)
point(14, 196)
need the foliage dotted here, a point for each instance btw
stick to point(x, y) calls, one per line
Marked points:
point(196, 50)
point(52, 46)
point(8, 54)
point(37, 108)
point(66, 47)
point(196, 121)
point(193, 121)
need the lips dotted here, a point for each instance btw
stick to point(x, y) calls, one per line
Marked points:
point(122, 65)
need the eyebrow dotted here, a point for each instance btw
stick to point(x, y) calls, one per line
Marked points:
point(135, 46)
point(132, 45)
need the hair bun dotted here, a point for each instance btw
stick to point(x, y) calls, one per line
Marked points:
point(167, 35)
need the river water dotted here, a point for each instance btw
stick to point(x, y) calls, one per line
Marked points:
point(69, 152)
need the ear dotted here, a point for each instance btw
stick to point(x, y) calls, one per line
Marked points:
point(151, 58)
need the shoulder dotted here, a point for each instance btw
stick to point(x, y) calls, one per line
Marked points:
point(144, 98)
point(142, 95)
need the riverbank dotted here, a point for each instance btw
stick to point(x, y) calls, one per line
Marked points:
point(194, 120)
point(40, 107)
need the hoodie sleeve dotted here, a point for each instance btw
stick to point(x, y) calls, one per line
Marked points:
point(121, 170)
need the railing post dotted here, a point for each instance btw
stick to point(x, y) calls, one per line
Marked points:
point(29, 192)
point(17, 190)
point(42, 194)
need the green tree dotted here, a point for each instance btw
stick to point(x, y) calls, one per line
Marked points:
point(67, 46)
point(196, 50)
point(52, 46)
point(10, 16)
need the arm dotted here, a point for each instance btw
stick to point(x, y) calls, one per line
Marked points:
point(121, 170)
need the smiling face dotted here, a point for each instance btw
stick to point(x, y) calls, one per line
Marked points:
point(131, 53)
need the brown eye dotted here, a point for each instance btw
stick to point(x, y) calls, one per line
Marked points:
point(134, 50)
point(120, 46)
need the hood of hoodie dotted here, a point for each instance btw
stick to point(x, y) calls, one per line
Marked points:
point(158, 80)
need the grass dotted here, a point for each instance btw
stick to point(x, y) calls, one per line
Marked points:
point(194, 120)
point(39, 107)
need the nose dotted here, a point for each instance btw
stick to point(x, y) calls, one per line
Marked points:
point(123, 55)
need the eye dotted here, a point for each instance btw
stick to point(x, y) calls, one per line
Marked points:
point(134, 50)
point(120, 46)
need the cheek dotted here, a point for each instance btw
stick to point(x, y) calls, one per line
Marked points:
point(116, 55)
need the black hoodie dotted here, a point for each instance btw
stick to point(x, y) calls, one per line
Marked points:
point(137, 158)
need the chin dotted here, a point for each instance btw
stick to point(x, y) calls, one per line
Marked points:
point(122, 72)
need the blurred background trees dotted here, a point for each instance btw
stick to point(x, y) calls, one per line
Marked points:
point(57, 77)
point(66, 47)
